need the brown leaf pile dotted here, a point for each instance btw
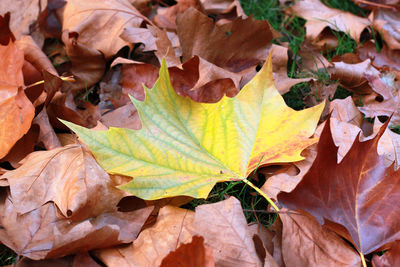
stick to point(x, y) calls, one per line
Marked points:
point(80, 60)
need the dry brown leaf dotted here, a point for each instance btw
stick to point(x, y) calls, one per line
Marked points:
point(168, 46)
point(203, 81)
point(225, 230)
point(24, 15)
point(319, 16)
point(287, 179)
point(166, 16)
point(385, 58)
point(35, 55)
point(63, 107)
point(123, 117)
point(222, 225)
point(387, 23)
point(88, 64)
point(192, 254)
point(262, 238)
point(386, 100)
point(235, 46)
point(357, 188)
point(223, 7)
point(198, 79)
point(68, 176)
point(17, 111)
point(352, 76)
point(23, 147)
point(43, 233)
point(306, 243)
point(173, 227)
point(99, 24)
point(46, 134)
point(134, 76)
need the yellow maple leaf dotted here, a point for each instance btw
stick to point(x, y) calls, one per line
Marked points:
point(185, 147)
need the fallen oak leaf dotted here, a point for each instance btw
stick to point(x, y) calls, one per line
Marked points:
point(192, 146)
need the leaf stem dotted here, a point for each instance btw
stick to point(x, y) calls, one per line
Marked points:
point(364, 264)
point(258, 190)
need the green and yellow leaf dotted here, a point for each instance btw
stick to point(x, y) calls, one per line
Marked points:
point(185, 147)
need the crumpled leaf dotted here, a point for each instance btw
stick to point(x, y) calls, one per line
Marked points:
point(385, 58)
point(234, 46)
point(35, 55)
point(319, 16)
point(42, 233)
point(166, 16)
point(154, 243)
point(306, 243)
point(222, 225)
point(346, 194)
point(88, 64)
point(352, 75)
point(192, 146)
point(68, 176)
point(226, 232)
point(16, 109)
point(386, 100)
point(99, 24)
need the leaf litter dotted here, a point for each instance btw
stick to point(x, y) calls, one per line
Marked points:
point(213, 114)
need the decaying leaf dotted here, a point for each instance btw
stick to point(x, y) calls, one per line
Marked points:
point(360, 185)
point(192, 146)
